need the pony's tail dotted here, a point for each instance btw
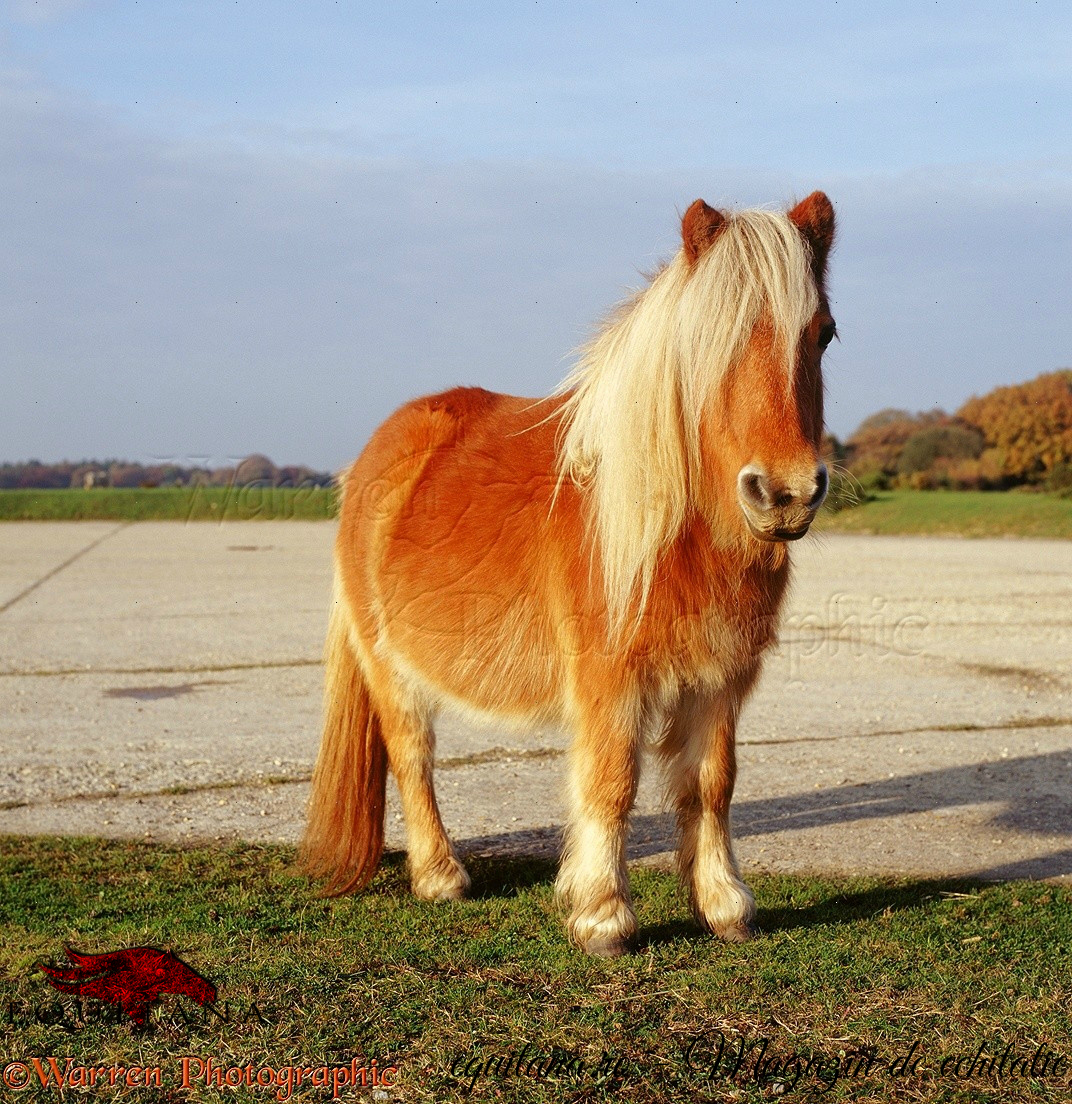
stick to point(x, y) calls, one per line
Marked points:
point(344, 835)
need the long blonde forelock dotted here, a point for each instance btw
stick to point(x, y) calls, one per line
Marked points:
point(631, 433)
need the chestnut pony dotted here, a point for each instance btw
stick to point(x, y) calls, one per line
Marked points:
point(611, 558)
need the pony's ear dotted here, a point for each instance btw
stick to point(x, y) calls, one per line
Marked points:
point(814, 218)
point(699, 228)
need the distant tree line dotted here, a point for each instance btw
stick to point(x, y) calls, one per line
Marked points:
point(255, 469)
point(1013, 436)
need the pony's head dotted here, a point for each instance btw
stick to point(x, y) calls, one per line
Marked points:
point(760, 439)
point(703, 395)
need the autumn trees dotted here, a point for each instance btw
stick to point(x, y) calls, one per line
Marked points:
point(1029, 425)
point(1013, 435)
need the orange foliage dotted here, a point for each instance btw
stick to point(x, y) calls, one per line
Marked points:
point(1028, 425)
point(877, 444)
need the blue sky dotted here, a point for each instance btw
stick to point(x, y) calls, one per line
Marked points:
point(235, 227)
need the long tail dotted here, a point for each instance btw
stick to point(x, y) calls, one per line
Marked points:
point(344, 835)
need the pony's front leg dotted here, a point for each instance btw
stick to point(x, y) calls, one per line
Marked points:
point(593, 879)
point(699, 745)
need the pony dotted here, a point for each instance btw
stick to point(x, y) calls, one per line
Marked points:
point(611, 559)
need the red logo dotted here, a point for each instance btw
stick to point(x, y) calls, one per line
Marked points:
point(132, 978)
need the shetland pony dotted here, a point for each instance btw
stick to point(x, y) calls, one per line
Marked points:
point(611, 558)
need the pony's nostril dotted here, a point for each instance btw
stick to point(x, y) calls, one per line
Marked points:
point(822, 484)
point(754, 488)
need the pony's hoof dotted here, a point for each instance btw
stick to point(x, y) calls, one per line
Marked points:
point(608, 946)
point(448, 883)
point(606, 931)
point(740, 932)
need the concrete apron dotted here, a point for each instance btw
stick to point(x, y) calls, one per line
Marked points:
point(162, 680)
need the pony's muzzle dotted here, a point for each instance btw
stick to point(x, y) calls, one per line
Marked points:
point(780, 509)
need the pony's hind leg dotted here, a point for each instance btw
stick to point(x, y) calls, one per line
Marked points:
point(593, 879)
point(699, 746)
point(436, 873)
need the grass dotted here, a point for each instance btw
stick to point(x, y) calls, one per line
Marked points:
point(956, 513)
point(245, 503)
point(452, 995)
point(929, 513)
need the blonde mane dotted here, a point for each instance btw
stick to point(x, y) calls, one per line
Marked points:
point(631, 427)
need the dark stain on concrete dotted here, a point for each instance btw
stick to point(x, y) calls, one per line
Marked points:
point(156, 693)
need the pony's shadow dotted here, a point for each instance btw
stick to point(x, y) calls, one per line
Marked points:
point(508, 876)
point(848, 908)
point(503, 875)
point(1031, 802)
point(837, 909)
point(1032, 791)
point(492, 876)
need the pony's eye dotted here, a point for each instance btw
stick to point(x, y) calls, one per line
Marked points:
point(827, 334)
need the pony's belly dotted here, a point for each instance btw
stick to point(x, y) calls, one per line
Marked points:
point(480, 649)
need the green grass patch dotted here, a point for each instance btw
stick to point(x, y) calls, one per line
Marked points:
point(489, 988)
point(924, 513)
point(245, 503)
point(955, 513)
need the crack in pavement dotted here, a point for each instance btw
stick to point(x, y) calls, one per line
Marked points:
point(196, 669)
point(60, 567)
point(1004, 726)
point(508, 755)
point(167, 791)
point(478, 758)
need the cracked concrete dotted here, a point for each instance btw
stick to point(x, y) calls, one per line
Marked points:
point(162, 680)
